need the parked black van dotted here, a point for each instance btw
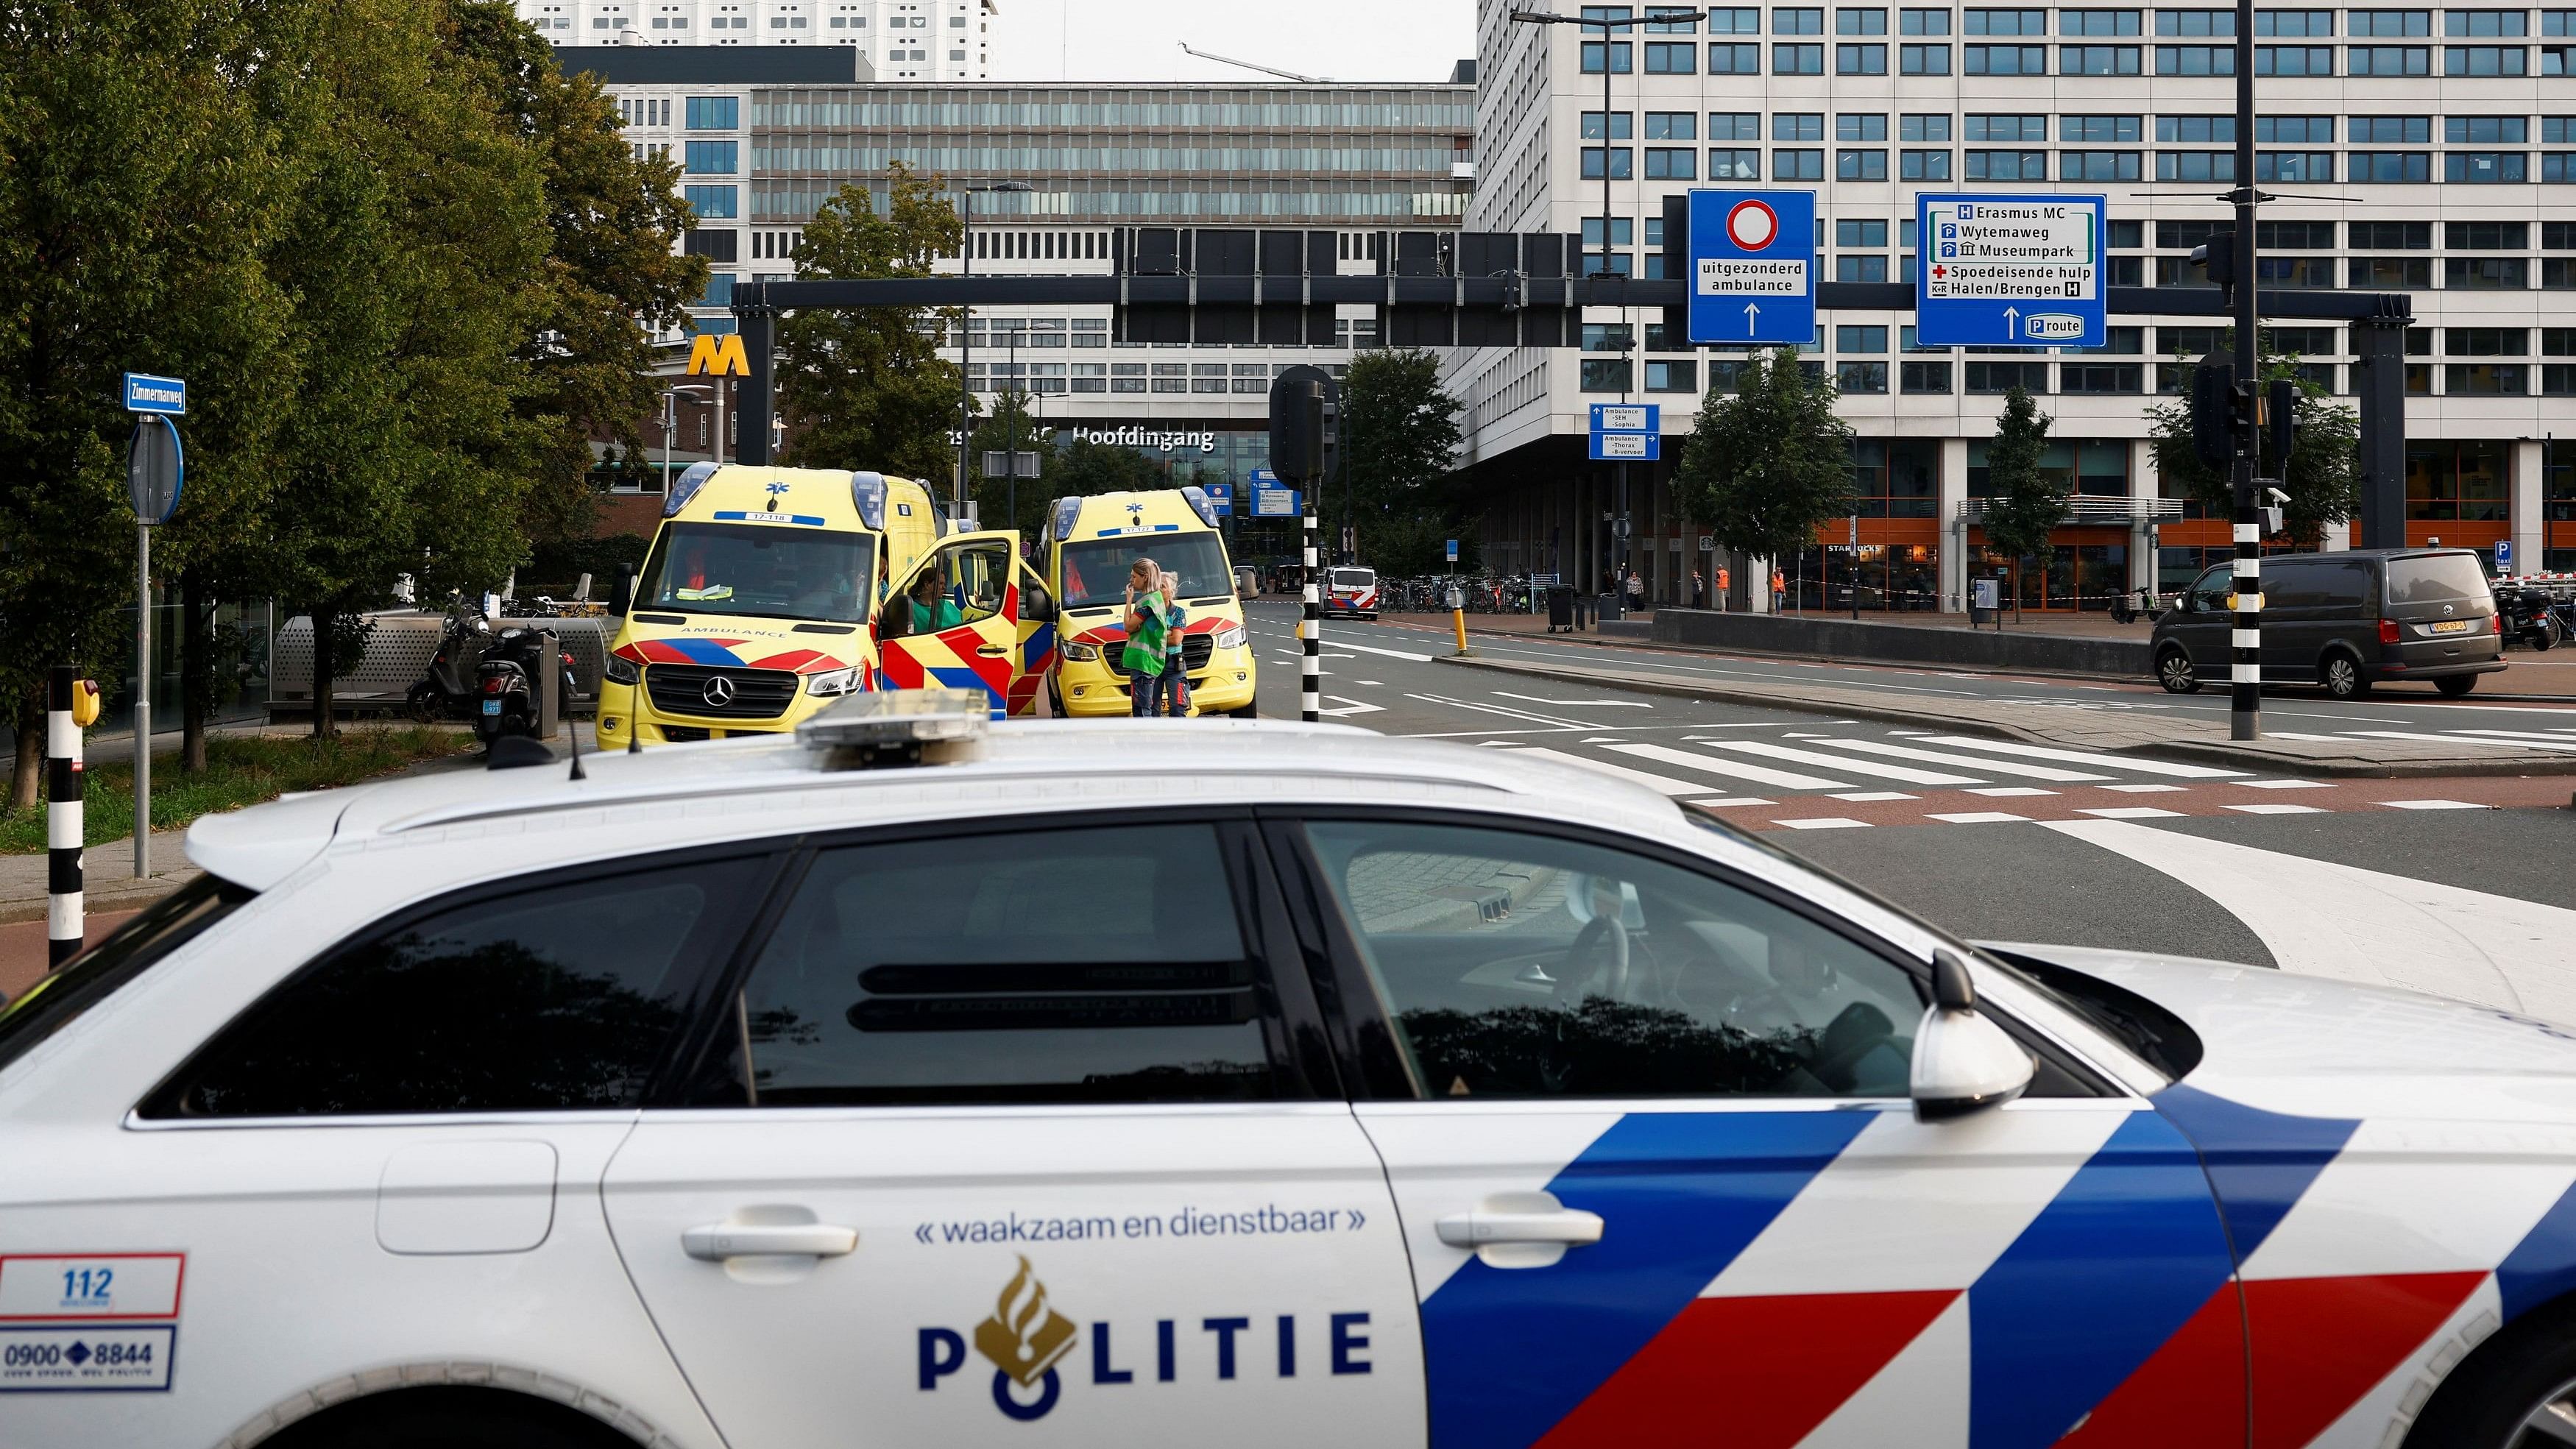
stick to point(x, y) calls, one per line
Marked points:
point(2343, 620)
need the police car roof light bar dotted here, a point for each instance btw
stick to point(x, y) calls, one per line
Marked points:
point(893, 727)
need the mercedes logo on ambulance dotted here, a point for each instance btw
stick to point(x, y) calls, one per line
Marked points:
point(718, 692)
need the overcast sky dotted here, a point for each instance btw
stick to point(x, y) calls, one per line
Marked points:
point(1140, 40)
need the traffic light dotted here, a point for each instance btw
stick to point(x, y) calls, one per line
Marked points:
point(1677, 264)
point(1297, 430)
point(2213, 412)
point(2217, 257)
point(2281, 425)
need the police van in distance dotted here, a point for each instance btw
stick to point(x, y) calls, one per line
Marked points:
point(919, 1079)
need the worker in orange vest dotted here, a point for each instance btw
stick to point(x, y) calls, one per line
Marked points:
point(1725, 581)
point(1779, 588)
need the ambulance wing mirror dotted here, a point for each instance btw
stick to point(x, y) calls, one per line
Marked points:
point(1962, 1060)
point(1036, 604)
point(625, 595)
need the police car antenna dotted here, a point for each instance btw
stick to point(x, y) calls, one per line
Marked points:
point(572, 729)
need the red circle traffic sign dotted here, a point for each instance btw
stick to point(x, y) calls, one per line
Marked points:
point(1752, 225)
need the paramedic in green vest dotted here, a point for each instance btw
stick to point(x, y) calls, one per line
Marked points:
point(1146, 631)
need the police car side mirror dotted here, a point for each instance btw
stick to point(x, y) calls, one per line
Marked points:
point(1962, 1061)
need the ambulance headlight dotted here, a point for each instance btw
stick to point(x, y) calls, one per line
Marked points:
point(1230, 638)
point(838, 681)
point(1082, 653)
point(619, 670)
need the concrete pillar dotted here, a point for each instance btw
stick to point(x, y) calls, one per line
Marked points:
point(1757, 575)
point(2529, 514)
point(2145, 482)
point(1954, 496)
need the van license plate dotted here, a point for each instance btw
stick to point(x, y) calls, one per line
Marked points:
point(491, 706)
point(2452, 626)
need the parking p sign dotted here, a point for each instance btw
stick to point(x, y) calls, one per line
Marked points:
point(2018, 271)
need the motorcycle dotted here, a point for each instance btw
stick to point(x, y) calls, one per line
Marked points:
point(448, 685)
point(505, 683)
point(2530, 616)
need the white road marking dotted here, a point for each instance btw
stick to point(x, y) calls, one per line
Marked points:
point(1339, 643)
point(1982, 817)
point(1526, 716)
point(1864, 797)
point(1573, 703)
point(2133, 812)
point(2323, 918)
point(1991, 767)
point(1779, 779)
point(1733, 800)
point(2551, 738)
point(2089, 757)
point(2000, 790)
point(2149, 789)
point(2433, 805)
point(1906, 773)
point(2280, 809)
point(1351, 706)
point(1824, 822)
point(2288, 785)
point(1370, 682)
point(1661, 784)
point(2456, 737)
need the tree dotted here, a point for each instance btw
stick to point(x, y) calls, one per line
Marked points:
point(1399, 444)
point(866, 385)
point(2324, 474)
point(1008, 428)
point(1769, 463)
point(613, 272)
point(2024, 505)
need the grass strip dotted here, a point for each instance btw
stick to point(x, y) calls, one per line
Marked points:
point(240, 770)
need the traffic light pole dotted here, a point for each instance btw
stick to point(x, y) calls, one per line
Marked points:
point(2245, 687)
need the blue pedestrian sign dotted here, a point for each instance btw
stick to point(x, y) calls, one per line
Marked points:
point(1627, 432)
point(2009, 271)
point(1753, 267)
point(145, 393)
point(1453, 550)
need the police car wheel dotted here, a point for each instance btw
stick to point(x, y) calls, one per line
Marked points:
point(450, 1418)
point(2516, 1394)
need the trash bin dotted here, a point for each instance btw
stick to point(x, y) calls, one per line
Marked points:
point(1560, 609)
point(1609, 607)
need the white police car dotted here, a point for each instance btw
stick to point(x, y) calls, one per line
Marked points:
point(1105, 1085)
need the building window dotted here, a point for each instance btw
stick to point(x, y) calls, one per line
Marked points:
point(715, 113)
point(2007, 166)
point(2291, 274)
point(2388, 60)
point(1999, 377)
point(2097, 22)
point(1734, 59)
point(2293, 59)
point(1797, 60)
point(1860, 268)
point(719, 291)
point(1920, 127)
point(1798, 165)
point(1734, 165)
point(2486, 168)
point(2097, 60)
point(1859, 165)
point(2485, 274)
point(1861, 377)
point(1860, 22)
point(1619, 57)
point(1672, 125)
point(2476, 60)
point(1672, 377)
point(2457, 481)
point(1797, 21)
point(1605, 374)
point(1860, 60)
point(1924, 166)
point(2391, 274)
point(2389, 24)
point(1671, 163)
point(1867, 339)
point(2193, 24)
point(2484, 24)
point(1923, 22)
point(2006, 59)
point(1667, 57)
point(2388, 166)
point(711, 203)
point(713, 158)
point(1923, 59)
point(2310, 166)
point(1924, 377)
point(2007, 128)
point(1620, 163)
point(1734, 126)
point(2195, 60)
point(2097, 166)
point(2101, 377)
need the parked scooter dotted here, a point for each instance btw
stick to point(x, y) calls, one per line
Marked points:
point(448, 686)
point(505, 683)
point(2530, 616)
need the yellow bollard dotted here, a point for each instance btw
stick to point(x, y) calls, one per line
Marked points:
point(1458, 616)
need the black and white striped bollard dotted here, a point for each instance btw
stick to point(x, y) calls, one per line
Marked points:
point(1312, 684)
point(64, 922)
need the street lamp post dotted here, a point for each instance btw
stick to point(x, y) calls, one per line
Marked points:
point(966, 339)
point(1609, 26)
point(671, 424)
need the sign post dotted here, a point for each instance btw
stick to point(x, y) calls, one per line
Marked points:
point(154, 469)
point(2009, 271)
point(1752, 267)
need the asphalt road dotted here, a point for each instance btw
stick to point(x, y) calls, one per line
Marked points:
point(2467, 886)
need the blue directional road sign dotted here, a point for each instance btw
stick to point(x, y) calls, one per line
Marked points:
point(1627, 432)
point(145, 393)
point(2017, 271)
point(1221, 496)
point(1753, 266)
point(1269, 500)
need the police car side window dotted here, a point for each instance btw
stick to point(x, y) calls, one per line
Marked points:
point(559, 997)
point(1519, 965)
point(1070, 966)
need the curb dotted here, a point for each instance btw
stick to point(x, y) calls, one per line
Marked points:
point(96, 902)
point(2207, 752)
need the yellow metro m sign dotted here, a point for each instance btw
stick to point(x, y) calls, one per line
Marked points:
point(718, 356)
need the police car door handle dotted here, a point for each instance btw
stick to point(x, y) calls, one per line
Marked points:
point(716, 1242)
point(1571, 1227)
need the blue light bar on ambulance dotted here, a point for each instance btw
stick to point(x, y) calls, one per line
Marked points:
point(1068, 511)
point(1199, 504)
point(893, 725)
point(868, 495)
point(686, 487)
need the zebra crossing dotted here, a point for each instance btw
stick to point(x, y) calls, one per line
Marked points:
point(1777, 777)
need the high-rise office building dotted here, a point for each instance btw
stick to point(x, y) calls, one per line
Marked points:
point(904, 40)
point(2431, 151)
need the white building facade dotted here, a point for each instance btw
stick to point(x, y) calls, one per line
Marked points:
point(2426, 150)
point(904, 40)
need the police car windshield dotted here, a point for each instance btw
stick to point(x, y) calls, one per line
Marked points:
point(1354, 578)
point(769, 572)
point(1095, 570)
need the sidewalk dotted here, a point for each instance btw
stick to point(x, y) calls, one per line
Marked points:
point(2074, 726)
point(2530, 673)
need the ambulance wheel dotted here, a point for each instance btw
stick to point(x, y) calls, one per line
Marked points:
point(2518, 1391)
point(450, 1418)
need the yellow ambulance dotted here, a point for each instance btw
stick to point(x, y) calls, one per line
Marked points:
point(1085, 554)
point(761, 600)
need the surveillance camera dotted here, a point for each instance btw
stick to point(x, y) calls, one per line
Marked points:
point(2278, 496)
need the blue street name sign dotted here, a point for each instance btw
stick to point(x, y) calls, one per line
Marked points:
point(1633, 432)
point(2019, 271)
point(145, 393)
point(1753, 266)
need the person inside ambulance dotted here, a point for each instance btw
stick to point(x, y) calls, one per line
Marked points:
point(833, 597)
point(926, 610)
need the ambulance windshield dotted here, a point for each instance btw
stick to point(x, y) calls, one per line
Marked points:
point(768, 572)
point(1095, 570)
